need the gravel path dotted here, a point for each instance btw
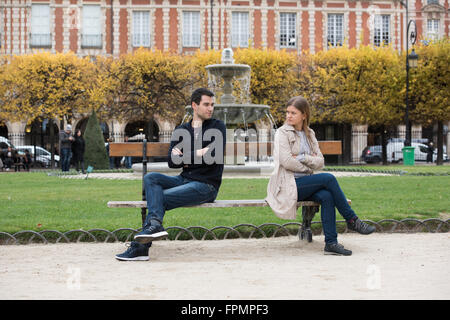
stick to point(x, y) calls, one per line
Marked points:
point(383, 266)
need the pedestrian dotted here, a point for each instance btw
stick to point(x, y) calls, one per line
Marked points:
point(78, 147)
point(9, 158)
point(27, 160)
point(65, 142)
point(198, 148)
point(430, 152)
point(296, 157)
point(127, 161)
point(111, 159)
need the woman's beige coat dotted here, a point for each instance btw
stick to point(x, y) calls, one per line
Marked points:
point(282, 190)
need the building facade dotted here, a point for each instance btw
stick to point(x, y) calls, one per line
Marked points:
point(115, 27)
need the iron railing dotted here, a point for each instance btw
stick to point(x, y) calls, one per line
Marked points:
point(40, 40)
point(241, 231)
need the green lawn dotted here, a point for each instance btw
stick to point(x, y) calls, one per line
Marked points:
point(420, 168)
point(36, 201)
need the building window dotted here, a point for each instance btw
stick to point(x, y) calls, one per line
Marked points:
point(432, 1)
point(288, 36)
point(40, 36)
point(91, 36)
point(239, 29)
point(335, 36)
point(191, 29)
point(141, 29)
point(433, 29)
point(382, 30)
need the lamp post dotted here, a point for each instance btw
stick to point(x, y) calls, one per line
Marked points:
point(411, 62)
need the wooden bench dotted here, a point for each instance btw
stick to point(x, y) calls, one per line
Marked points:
point(154, 149)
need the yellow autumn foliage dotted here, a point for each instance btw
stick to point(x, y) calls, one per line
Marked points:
point(46, 85)
point(429, 83)
point(363, 85)
point(357, 85)
point(147, 82)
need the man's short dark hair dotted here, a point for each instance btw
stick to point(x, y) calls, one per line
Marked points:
point(198, 93)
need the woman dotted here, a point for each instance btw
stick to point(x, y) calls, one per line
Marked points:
point(297, 155)
point(78, 150)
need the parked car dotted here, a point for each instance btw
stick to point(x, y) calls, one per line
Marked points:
point(4, 144)
point(373, 154)
point(43, 157)
point(395, 153)
point(402, 140)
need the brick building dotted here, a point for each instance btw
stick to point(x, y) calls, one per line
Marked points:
point(115, 27)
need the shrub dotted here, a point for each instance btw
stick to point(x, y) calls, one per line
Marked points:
point(95, 151)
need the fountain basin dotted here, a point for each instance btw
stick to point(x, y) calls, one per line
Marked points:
point(253, 169)
point(234, 113)
point(228, 70)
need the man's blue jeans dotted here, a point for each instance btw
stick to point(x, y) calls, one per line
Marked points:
point(165, 192)
point(65, 159)
point(128, 162)
point(325, 189)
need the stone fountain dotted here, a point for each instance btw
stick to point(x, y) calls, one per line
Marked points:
point(227, 109)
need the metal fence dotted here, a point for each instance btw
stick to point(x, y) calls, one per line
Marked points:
point(241, 231)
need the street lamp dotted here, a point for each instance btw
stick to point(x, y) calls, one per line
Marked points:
point(413, 57)
point(411, 62)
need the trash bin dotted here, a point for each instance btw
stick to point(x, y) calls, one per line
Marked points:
point(408, 156)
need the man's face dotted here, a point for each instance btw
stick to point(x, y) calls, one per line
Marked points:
point(205, 109)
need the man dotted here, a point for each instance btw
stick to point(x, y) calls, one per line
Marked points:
point(65, 140)
point(198, 147)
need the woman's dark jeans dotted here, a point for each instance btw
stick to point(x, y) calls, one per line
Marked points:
point(324, 189)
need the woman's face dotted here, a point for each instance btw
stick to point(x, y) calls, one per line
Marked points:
point(294, 117)
point(78, 133)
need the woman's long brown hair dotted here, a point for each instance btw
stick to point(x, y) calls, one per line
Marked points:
point(302, 105)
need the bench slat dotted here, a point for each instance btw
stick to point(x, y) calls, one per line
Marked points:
point(161, 149)
point(215, 204)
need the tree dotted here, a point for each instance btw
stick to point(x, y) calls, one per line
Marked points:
point(272, 78)
point(95, 151)
point(3, 65)
point(147, 82)
point(45, 85)
point(359, 85)
point(199, 61)
point(429, 88)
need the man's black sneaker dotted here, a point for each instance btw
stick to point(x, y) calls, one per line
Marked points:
point(151, 233)
point(135, 252)
point(336, 249)
point(360, 226)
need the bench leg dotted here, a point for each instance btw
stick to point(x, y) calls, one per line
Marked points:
point(144, 172)
point(305, 231)
point(144, 215)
